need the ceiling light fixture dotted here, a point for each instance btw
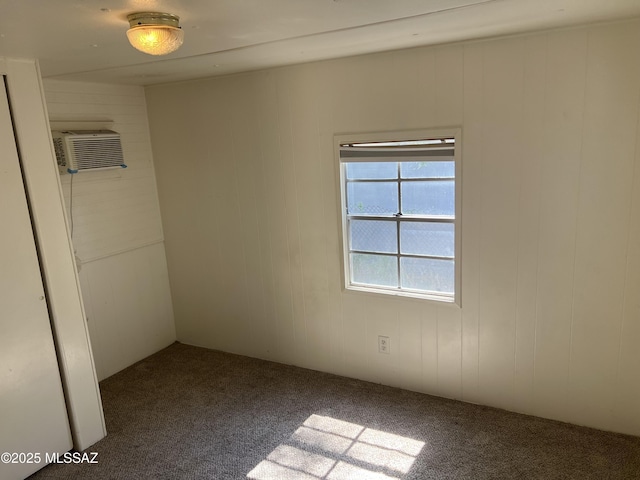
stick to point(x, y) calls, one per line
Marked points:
point(155, 33)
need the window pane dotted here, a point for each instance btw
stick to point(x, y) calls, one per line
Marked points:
point(428, 198)
point(420, 238)
point(372, 197)
point(374, 269)
point(374, 236)
point(427, 274)
point(371, 170)
point(427, 170)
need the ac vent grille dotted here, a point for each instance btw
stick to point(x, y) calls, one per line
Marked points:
point(60, 156)
point(97, 152)
point(81, 151)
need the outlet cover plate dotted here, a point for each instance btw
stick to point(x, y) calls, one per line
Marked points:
point(383, 344)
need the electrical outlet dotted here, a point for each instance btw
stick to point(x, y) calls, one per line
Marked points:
point(383, 344)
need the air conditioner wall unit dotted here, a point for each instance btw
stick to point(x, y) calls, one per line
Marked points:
point(87, 150)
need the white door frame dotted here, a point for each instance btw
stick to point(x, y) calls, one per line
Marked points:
point(42, 183)
point(33, 414)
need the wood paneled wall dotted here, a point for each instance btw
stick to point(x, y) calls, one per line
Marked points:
point(550, 317)
point(117, 230)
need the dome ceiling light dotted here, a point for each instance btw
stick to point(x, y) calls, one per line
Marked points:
point(155, 33)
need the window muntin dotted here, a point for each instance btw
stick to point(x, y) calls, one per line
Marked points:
point(400, 216)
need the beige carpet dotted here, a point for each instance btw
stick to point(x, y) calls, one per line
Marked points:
point(192, 413)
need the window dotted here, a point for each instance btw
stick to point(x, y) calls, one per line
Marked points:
point(401, 212)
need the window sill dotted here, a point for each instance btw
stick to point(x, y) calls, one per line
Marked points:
point(440, 300)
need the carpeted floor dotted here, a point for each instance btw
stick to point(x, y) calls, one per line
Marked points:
point(193, 413)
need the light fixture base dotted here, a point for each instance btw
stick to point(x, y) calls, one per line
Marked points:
point(153, 18)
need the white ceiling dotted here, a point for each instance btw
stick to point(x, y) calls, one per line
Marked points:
point(85, 39)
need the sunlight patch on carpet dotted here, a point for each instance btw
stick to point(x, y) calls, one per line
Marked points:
point(330, 449)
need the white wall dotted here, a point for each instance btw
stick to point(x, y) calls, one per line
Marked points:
point(117, 230)
point(550, 318)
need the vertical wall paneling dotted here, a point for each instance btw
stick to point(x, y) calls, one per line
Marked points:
point(473, 95)
point(382, 320)
point(559, 173)
point(409, 347)
point(273, 171)
point(270, 318)
point(627, 398)
point(449, 111)
point(606, 173)
point(305, 95)
point(356, 351)
point(550, 251)
point(502, 141)
point(449, 85)
point(192, 178)
point(429, 354)
point(221, 205)
point(128, 302)
point(330, 223)
point(405, 87)
point(375, 96)
point(290, 168)
point(535, 58)
point(203, 213)
point(117, 231)
point(114, 210)
point(424, 97)
point(449, 328)
point(248, 190)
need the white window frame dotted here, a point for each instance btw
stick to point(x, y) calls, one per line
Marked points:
point(412, 135)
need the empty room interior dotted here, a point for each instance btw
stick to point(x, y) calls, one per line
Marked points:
point(320, 239)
